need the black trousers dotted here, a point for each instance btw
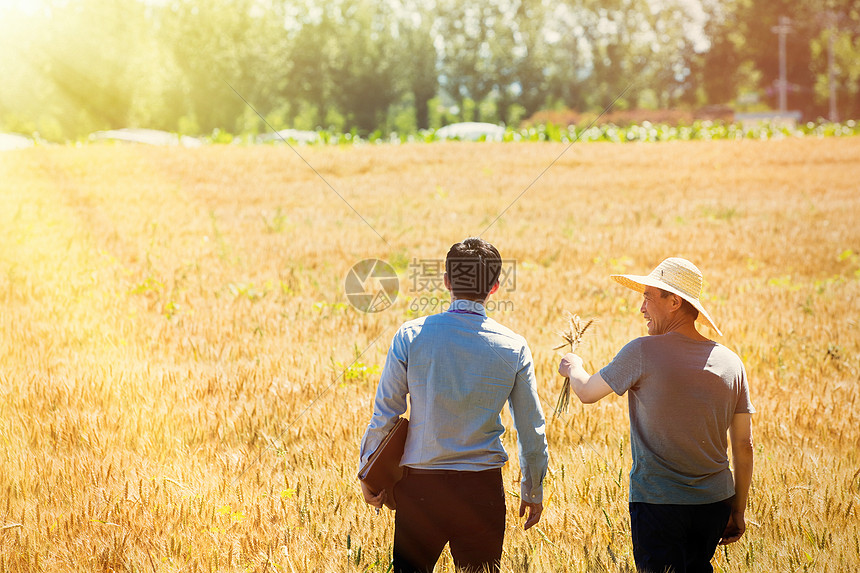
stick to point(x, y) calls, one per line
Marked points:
point(465, 509)
point(677, 538)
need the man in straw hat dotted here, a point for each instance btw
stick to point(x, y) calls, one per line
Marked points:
point(684, 392)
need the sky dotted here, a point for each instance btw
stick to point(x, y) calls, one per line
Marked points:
point(23, 5)
point(694, 9)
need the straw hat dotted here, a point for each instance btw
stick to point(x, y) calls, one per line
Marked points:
point(678, 276)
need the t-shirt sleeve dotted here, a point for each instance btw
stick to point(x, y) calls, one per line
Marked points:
point(625, 369)
point(744, 404)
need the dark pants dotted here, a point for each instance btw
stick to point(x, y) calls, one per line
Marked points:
point(677, 538)
point(465, 509)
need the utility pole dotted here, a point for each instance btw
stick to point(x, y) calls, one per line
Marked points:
point(783, 29)
point(831, 65)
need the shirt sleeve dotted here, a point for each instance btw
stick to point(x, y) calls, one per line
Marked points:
point(531, 429)
point(390, 401)
point(625, 369)
point(744, 404)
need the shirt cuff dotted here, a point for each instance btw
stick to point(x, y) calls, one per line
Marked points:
point(531, 495)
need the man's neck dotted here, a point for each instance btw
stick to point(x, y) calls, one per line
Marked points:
point(484, 301)
point(688, 329)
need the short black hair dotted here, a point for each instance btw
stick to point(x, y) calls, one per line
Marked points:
point(473, 268)
point(686, 306)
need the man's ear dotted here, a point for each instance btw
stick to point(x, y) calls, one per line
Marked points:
point(494, 289)
point(677, 301)
point(447, 281)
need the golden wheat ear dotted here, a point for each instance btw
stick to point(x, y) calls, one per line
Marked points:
point(563, 402)
point(572, 338)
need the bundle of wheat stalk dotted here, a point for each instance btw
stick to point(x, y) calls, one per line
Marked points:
point(572, 337)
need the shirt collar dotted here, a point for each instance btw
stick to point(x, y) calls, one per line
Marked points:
point(465, 306)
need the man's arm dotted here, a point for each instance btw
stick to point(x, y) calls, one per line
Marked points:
point(588, 389)
point(389, 404)
point(740, 433)
point(530, 424)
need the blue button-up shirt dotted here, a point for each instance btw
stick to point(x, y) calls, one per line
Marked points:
point(459, 368)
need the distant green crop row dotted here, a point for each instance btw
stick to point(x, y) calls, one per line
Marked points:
point(646, 132)
point(699, 130)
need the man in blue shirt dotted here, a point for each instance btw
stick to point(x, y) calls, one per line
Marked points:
point(459, 368)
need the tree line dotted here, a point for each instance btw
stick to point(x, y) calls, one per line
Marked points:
point(72, 67)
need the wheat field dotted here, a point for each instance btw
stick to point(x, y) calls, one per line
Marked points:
point(185, 384)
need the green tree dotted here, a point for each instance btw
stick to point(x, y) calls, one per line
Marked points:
point(530, 59)
point(719, 71)
point(344, 61)
point(216, 45)
point(839, 30)
point(611, 46)
point(77, 66)
point(743, 38)
point(364, 67)
point(307, 79)
point(419, 60)
point(26, 98)
point(467, 64)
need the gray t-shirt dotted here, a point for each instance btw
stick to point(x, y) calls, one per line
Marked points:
point(682, 395)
